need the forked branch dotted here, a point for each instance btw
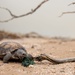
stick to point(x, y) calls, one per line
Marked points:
point(13, 16)
point(70, 12)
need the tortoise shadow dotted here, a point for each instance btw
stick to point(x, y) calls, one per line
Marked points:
point(12, 60)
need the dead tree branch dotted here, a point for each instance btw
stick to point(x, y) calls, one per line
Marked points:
point(71, 3)
point(70, 12)
point(23, 15)
point(66, 13)
point(42, 57)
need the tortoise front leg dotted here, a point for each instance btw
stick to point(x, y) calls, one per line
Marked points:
point(7, 57)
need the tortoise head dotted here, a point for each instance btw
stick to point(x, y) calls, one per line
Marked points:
point(30, 56)
point(20, 53)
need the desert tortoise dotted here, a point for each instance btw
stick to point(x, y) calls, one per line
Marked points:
point(12, 50)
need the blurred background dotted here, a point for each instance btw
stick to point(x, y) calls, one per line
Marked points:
point(45, 20)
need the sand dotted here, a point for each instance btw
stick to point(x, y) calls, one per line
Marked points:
point(58, 48)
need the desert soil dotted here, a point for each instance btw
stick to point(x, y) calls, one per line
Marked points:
point(55, 47)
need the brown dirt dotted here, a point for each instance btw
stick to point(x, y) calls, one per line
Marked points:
point(58, 48)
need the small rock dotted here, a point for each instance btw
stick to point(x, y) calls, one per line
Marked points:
point(31, 66)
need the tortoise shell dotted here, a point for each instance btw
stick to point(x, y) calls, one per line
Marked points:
point(10, 47)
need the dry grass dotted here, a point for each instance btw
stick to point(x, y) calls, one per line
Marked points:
point(9, 35)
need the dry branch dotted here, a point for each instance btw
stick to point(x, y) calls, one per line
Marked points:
point(70, 12)
point(14, 16)
point(53, 60)
point(71, 3)
point(66, 13)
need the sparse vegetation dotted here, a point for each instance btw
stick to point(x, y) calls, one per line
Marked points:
point(10, 35)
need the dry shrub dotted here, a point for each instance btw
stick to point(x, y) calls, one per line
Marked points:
point(8, 35)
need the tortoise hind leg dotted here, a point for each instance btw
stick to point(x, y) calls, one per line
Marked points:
point(7, 57)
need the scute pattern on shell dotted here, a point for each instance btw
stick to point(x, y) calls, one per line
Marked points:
point(9, 47)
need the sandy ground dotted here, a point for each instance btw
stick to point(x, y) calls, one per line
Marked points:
point(35, 46)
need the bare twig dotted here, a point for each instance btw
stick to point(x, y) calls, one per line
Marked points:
point(53, 60)
point(69, 11)
point(71, 3)
point(14, 16)
point(66, 13)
